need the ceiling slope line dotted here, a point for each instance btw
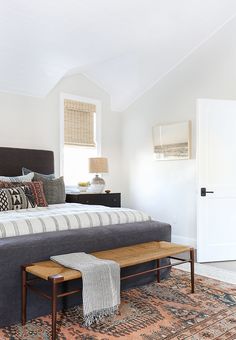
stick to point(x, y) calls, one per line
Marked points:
point(148, 88)
point(96, 82)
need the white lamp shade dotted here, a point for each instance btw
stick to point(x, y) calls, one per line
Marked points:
point(98, 165)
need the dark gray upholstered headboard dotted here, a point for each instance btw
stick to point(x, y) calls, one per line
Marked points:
point(12, 160)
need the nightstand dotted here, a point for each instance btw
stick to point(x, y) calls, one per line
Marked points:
point(110, 200)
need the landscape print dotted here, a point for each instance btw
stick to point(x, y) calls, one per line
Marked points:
point(172, 141)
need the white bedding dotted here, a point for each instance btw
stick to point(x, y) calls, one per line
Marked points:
point(64, 217)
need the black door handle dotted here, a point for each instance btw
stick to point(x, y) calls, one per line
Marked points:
point(204, 192)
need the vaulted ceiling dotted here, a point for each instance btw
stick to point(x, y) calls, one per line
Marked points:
point(125, 46)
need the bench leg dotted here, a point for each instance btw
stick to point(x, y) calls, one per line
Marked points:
point(158, 271)
point(54, 309)
point(23, 295)
point(192, 269)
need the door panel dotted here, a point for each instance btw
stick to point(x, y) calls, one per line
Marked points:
point(216, 159)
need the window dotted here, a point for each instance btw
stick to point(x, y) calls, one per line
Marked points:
point(80, 120)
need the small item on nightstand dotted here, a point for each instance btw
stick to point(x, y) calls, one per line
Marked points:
point(83, 186)
point(107, 191)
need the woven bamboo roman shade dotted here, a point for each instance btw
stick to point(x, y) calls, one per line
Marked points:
point(79, 123)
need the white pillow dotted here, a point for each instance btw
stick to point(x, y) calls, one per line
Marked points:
point(24, 178)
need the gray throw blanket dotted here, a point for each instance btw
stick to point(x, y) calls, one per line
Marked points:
point(101, 284)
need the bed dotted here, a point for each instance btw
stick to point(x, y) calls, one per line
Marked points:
point(23, 249)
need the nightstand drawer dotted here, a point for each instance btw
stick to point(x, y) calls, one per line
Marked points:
point(110, 200)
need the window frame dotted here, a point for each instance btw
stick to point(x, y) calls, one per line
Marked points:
point(97, 129)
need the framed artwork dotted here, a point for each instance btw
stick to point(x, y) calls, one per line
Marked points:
point(172, 141)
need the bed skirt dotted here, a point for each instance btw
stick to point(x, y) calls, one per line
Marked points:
point(16, 251)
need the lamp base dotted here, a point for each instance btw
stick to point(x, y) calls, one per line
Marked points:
point(97, 185)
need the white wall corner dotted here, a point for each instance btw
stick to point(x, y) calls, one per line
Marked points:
point(184, 240)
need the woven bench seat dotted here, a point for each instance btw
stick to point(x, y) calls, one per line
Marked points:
point(125, 256)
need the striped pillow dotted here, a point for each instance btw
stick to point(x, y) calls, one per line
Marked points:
point(25, 178)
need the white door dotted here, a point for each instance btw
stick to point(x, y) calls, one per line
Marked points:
point(216, 162)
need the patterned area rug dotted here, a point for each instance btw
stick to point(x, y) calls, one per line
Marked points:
point(152, 312)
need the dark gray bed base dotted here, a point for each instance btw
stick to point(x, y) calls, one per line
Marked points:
point(16, 251)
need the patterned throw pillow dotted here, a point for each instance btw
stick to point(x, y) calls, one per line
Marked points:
point(26, 171)
point(16, 198)
point(26, 178)
point(54, 189)
point(38, 192)
point(35, 187)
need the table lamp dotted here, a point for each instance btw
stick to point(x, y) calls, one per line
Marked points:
point(98, 165)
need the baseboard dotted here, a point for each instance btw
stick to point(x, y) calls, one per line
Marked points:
point(184, 240)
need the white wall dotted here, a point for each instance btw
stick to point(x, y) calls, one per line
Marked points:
point(29, 122)
point(166, 190)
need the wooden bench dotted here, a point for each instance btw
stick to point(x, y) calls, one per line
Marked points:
point(125, 256)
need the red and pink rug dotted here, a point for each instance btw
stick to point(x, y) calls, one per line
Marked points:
point(153, 312)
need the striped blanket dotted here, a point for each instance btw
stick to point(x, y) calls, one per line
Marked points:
point(64, 217)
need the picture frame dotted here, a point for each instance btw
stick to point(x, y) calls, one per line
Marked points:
point(172, 141)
